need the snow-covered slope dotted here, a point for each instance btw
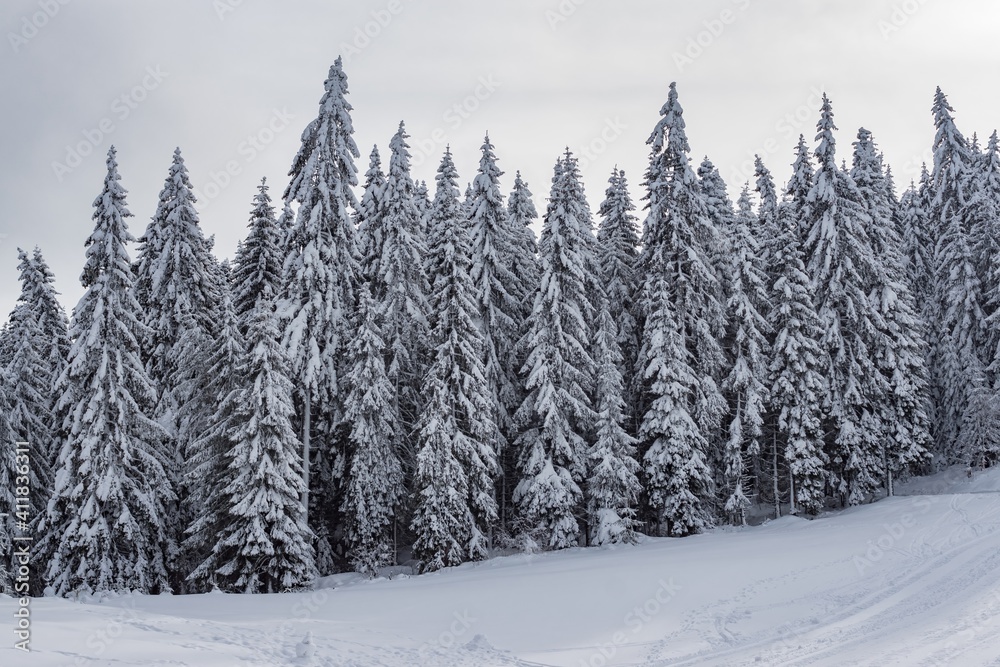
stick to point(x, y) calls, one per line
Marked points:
point(911, 580)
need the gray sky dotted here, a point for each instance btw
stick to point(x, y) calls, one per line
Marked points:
point(234, 82)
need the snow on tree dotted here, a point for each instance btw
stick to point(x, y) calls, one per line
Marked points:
point(766, 230)
point(370, 214)
point(681, 242)
point(264, 543)
point(983, 221)
point(618, 255)
point(105, 525)
point(502, 294)
point(613, 486)
point(256, 272)
point(678, 479)
point(557, 414)
point(958, 318)
point(399, 284)
point(680, 356)
point(899, 347)
point(745, 387)
point(39, 341)
point(522, 212)
point(800, 185)
point(797, 386)
point(320, 277)
point(457, 465)
point(8, 479)
point(843, 269)
point(917, 240)
point(374, 491)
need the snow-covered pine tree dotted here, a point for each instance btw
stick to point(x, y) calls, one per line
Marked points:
point(680, 354)
point(917, 243)
point(983, 219)
point(370, 214)
point(899, 348)
point(40, 343)
point(320, 277)
point(178, 289)
point(613, 487)
point(502, 296)
point(958, 320)
point(8, 479)
point(422, 200)
point(618, 256)
point(457, 464)
point(748, 307)
point(207, 476)
point(557, 414)
point(799, 186)
point(105, 525)
point(680, 239)
point(400, 288)
point(797, 387)
point(765, 230)
point(256, 272)
point(374, 489)
point(522, 212)
point(843, 269)
point(264, 544)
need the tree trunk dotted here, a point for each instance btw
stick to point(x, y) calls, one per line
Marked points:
point(774, 477)
point(307, 410)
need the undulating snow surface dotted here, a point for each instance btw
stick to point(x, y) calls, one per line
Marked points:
point(911, 580)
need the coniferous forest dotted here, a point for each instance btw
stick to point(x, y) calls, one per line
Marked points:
point(392, 372)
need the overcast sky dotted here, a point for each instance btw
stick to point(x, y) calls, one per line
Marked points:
point(234, 82)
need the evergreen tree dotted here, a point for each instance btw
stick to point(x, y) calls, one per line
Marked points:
point(374, 489)
point(105, 525)
point(370, 214)
point(899, 349)
point(320, 276)
point(958, 317)
point(766, 229)
point(745, 384)
point(796, 383)
point(8, 499)
point(400, 285)
point(558, 414)
point(456, 464)
point(502, 295)
point(39, 341)
point(613, 486)
point(264, 544)
point(256, 273)
point(799, 187)
point(843, 269)
point(681, 355)
point(618, 253)
point(207, 476)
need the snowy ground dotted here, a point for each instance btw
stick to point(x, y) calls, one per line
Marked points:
point(912, 580)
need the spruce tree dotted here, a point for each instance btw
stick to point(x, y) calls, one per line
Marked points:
point(105, 525)
point(618, 255)
point(265, 544)
point(745, 385)
point(457, 466)
point(899, 347)
point(256, 272)
point(681, 355)
point(557, 414)
point(797, 386)
point(613, 486)
point(399, 284)
point(843, 269)
point(374, 490)
point(320, 277)
point(370, 215)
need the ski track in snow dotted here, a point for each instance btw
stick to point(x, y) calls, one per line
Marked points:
point(792, 592)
